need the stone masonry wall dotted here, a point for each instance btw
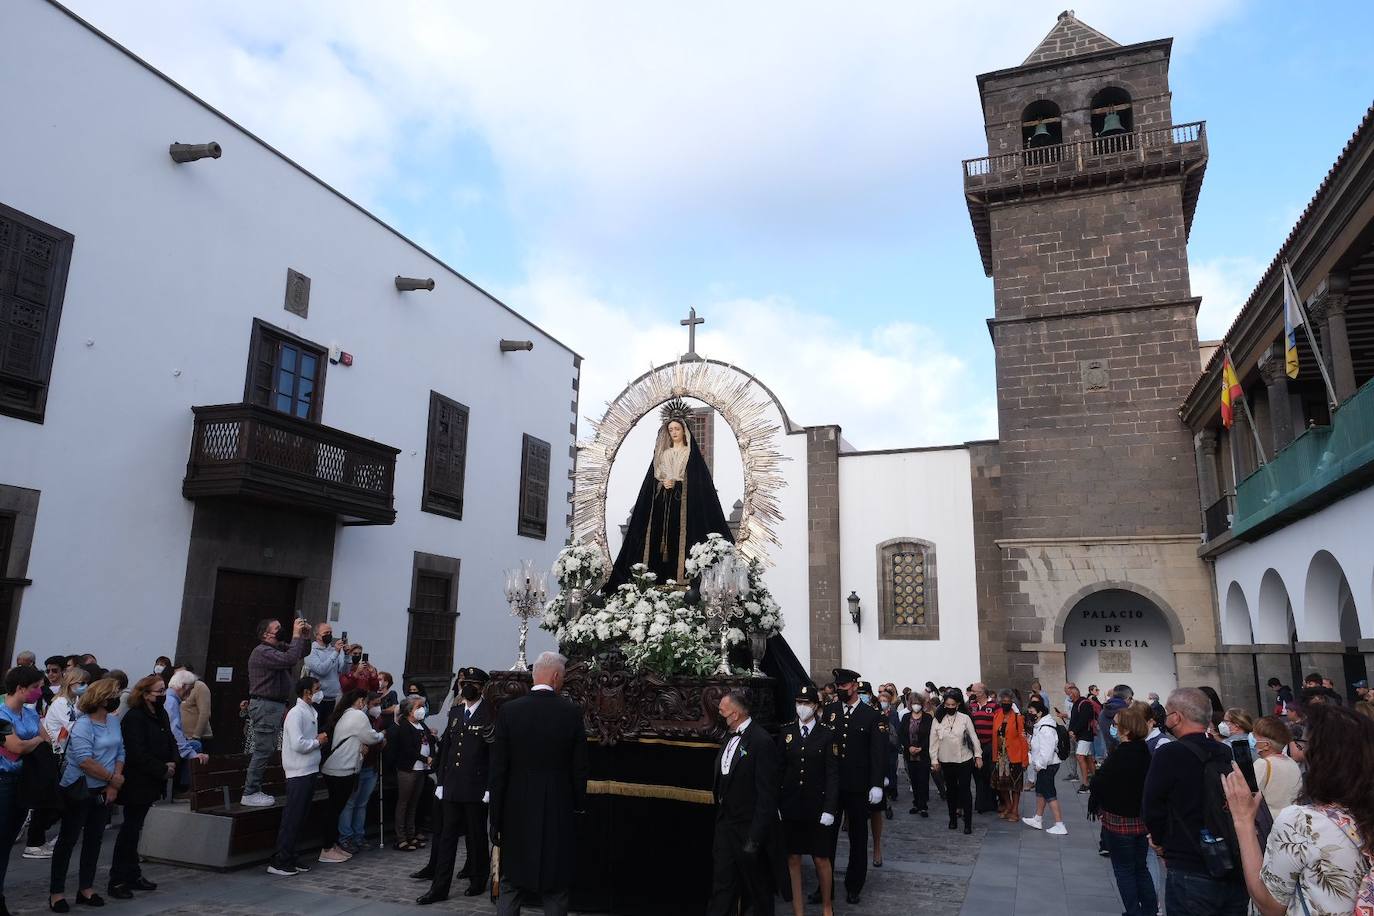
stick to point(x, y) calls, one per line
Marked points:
point(985, 466)
point(823, 548)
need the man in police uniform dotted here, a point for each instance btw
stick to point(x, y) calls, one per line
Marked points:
point(810, 796)
point(463, 790)
point(861, 736)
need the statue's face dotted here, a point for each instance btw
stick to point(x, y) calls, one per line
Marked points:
point(676, 434)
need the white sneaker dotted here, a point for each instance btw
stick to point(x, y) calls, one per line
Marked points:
point(38, 852)
point(49, 846)
point(1058, 829)
point(1032, 822)
point(281, 872)
point(258, 800)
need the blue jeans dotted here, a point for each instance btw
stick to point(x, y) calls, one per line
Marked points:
point(1189, 893)
point(1133, 879)
point(353, 818)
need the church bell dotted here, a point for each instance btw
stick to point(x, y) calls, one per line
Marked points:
point(1111, 125)
point(1041, 136)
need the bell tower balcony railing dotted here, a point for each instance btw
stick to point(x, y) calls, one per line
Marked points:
point(1178, 150)
point(244, 451)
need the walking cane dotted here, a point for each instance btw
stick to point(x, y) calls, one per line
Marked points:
point(381, 807)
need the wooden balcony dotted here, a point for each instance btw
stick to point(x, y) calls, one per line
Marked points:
point(1179, 151)
point(248, 452)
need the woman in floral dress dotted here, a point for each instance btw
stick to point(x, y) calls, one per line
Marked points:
point(1318, 859)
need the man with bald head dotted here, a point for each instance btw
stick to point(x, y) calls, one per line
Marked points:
point(538, 785)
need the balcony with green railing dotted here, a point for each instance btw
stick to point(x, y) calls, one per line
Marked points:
point(1314, 470)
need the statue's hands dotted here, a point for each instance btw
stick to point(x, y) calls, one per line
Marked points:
point(668, 484)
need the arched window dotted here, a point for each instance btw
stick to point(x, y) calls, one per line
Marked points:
point(1041, 125)
point(907, 605)
point(1113, 122)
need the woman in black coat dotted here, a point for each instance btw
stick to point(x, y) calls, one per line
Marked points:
point(410, 750)
point(150, 755)
point(1115, 796)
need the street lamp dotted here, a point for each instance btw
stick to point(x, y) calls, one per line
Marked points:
point(854, 609)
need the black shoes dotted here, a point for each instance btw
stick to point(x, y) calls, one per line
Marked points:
point(93, 900)
point(143, 884)
point(473, 890)
point(429, 897)
point(887, 812)
point(120, 892)
point(851, 899)
point(60, 906)
point(968, 828)
point(424, 874)
point(925, 813)
point(954, 823)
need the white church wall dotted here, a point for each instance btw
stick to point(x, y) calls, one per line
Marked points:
point(171, 264)
point(923, 494)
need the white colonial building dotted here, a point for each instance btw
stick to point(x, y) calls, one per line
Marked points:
point(223, 398)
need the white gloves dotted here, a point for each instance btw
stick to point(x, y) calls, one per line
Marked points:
point(439, 792)
point(486, 798)
point(885, 782)
point(875, 795)
point(827, 819)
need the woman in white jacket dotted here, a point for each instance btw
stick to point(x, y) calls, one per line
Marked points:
point(352, 732)
point(61, 714)
point(956, 752)
point(1044, 765)
point(300, 757)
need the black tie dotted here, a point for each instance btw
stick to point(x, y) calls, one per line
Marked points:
point(467, 714)
point(806, 730)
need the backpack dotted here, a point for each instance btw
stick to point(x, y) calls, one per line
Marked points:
point(1061, 747)
point(1221, 854)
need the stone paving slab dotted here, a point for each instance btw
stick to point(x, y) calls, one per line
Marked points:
point(1002, 869)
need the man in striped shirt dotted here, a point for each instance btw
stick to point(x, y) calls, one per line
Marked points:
point(980, 709)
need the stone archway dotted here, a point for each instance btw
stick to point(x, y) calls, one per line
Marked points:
point(746, 405)
point(1119, 635)
point(1235, 618)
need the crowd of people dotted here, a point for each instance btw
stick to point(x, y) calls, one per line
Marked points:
point(1274, 812)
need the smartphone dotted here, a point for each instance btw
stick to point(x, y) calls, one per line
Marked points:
point(345, 636)
point(1246, 761)
point(365, 661)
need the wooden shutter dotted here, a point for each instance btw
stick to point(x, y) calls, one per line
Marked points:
point(446, 456)
point(534, 488)
point(34, 258)
point(432, 625)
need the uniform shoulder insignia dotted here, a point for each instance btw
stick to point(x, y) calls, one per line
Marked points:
point(832, 717)
point(787, 738)
point(489, 734)
point(836, 749)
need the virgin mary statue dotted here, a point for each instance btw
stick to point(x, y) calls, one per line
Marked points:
point(677, 506)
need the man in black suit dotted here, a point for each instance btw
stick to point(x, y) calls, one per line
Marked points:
point(810, 794)
point(538, 784)
point(861, 733)
point(746, 791)
point(463, 790)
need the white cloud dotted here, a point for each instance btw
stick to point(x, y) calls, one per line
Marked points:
point(1224, 283)
point(888, 387)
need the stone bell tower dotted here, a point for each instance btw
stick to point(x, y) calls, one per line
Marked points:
point(1081, 212)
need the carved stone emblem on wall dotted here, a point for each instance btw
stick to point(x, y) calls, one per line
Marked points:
point(1094, 374)
point(1114, 661)
point(297, 293)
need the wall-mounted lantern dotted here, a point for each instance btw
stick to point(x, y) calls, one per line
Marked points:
point(410, 284)
point(190, 152)
point(854, 609)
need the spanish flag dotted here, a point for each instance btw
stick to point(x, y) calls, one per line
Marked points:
point(1231, 392)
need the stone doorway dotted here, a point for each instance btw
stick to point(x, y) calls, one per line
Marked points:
point(1115, 636)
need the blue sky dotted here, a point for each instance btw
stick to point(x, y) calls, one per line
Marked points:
point(790, 169)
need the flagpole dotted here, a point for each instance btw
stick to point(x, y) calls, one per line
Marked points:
point(1311, 338)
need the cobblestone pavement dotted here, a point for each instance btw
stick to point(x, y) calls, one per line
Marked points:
point(1003, 869)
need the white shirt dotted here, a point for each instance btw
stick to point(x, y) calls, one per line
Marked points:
point(300, 751)
point(540, 687)
point(352, 733)
point(731, 746)
point(424, 748)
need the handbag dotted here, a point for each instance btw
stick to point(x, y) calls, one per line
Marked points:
point(78, 793)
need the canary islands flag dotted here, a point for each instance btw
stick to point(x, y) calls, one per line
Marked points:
point(1292, 320)
point(1231, 392)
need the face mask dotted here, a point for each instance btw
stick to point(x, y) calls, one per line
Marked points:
point(79, 689)
point(1225, 729)
point(470, 692)
point(950, 709)
point(112, 704)
point(864, 698)
point(421, 713)
point(884, 704)
point(316, 697)
point(34, 694)
point(159, 700)
point(158, 669)
point(1068, 704)
point(1113, 732)
point(357, 659)
point(805, 712)
point(374, 711)
point(1253, 744)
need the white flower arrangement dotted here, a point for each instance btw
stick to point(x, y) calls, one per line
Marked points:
point(654, 627)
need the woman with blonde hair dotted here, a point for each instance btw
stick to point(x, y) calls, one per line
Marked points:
point(61, 715)
point(1278, 776)
point(91, 779)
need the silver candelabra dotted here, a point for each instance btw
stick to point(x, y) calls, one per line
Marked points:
point(526, 591)
point(721, 586)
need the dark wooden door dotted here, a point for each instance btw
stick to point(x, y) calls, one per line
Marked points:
point(241, 600)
